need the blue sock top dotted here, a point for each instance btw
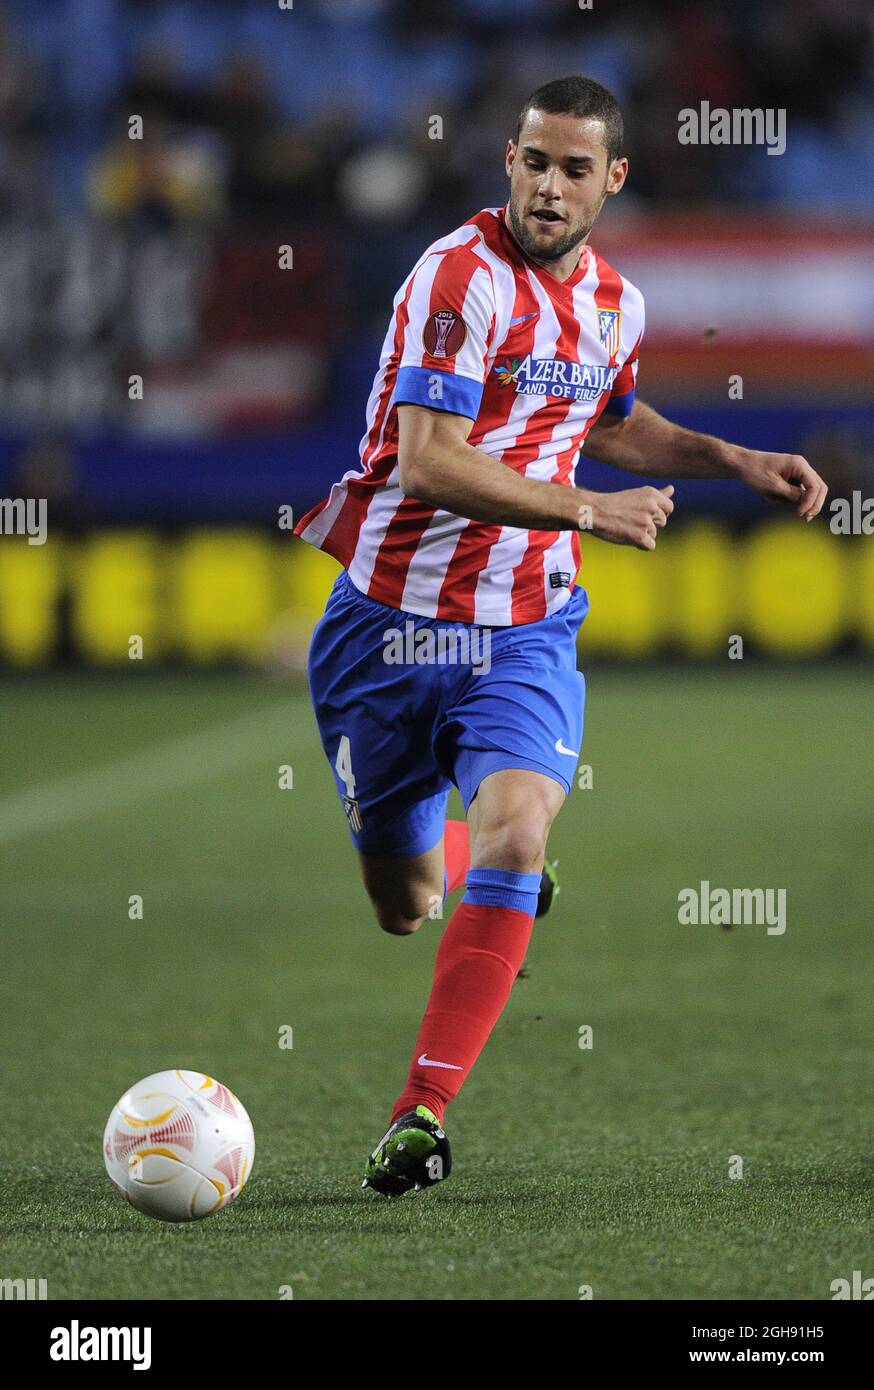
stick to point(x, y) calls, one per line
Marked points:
point(503, 888)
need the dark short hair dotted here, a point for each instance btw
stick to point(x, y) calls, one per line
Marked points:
point(579, 96)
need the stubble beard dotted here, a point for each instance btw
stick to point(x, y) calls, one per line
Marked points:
point(528, 241)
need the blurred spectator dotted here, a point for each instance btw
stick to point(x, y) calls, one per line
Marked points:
point(171, 176)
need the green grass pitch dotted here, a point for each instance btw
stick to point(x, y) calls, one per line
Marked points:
point(607, 1167)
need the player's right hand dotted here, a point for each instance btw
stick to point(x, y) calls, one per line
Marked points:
point(632, 517)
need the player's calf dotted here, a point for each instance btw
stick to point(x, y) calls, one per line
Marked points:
point(403, 891)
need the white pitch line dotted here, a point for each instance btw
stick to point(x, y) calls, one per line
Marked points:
point(166, 767)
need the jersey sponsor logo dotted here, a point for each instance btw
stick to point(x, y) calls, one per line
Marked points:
point(609, 321)
point(554, 376)
point(444, 333)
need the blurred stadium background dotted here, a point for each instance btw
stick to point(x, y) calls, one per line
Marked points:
point(310, 130)
point(160, 259)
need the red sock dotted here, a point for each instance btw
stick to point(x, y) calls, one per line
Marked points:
point(477, 961)
point(456, 853)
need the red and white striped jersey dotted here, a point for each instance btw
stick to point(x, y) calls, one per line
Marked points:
point(481, 331)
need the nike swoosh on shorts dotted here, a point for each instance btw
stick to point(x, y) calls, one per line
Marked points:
point(568, 752)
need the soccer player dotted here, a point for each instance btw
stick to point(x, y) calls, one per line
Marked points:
point(447, 651)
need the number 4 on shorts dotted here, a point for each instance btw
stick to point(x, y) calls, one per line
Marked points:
point(343, 765)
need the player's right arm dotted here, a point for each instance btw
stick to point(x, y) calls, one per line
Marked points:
point(439, 467)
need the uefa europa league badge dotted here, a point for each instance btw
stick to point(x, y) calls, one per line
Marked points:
point(444, 333)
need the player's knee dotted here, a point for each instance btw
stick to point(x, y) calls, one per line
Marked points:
point(519, 846)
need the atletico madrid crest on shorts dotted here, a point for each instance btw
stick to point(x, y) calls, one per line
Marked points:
point(608, 329)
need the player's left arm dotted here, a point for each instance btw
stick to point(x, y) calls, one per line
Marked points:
point(645, 442)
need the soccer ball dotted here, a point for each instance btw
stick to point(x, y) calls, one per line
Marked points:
point(179, 1145)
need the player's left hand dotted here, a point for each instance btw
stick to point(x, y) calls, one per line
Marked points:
point(784, 478)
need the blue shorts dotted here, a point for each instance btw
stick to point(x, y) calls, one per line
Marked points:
point(407, 706)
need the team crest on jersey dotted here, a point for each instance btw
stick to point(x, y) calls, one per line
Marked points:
point(444, 333)
point(609, 321)
point(352, 812)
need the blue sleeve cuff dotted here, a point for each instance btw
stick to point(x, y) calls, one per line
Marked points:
point(620, 405)
point(459, 395)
